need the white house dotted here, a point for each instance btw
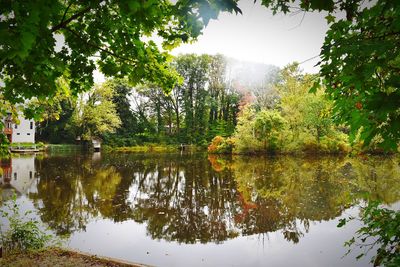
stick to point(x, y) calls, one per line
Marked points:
point(24, 132)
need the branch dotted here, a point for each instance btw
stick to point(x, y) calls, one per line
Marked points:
point(65, 12)
point(99, 48)
point(63, 23)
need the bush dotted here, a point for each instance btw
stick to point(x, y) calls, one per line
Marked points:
point(40, 145)
point(221, 145)
point(22, 236)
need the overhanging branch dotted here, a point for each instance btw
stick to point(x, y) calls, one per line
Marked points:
point(64, 23)
point(100, 48)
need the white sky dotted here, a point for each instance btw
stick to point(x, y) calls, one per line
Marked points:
point(258, 36)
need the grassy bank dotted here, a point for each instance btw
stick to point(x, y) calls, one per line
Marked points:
point(62, 257)
point(27, 146)
point(153, 148)
point(63, 147)
point(222, 145)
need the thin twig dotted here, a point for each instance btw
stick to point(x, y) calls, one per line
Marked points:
point(65, 12)
point(301, 21)
point(311, 58)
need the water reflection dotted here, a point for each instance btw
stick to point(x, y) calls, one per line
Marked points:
point(201, 198)
point(16, 176)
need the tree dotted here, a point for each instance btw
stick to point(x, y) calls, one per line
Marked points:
point(360, 64)
point(44, 40)
point(361, 71)
point(267, 126)
point(223, 101)
point(359, 59)
point(194, 71)
point(121, 98)
point(317, 116)
point(292, 90)
point(160, 107)
point(53, 125)
point(245, 139)
point(96, 116)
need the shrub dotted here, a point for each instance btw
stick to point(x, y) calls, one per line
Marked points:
point(22, 236)
point(221, 145)
point(40, 145)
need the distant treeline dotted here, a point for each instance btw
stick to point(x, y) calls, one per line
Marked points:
point(209, 107)
point(201, 107)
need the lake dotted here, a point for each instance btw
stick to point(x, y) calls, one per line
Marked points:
point(202, 210)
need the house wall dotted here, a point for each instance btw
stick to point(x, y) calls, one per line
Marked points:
point(23, 132)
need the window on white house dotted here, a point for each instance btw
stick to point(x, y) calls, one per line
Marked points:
point(15, 126)
point(31, 125)
point(17, 133)
point(28, 133)
point(15, 176)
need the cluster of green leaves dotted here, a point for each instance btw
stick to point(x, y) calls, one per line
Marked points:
point(96, 116)
point(23, 235)
point(360, 64)
point(258, 131)
point(3, 145)
point(381, 229)
point(43, 40)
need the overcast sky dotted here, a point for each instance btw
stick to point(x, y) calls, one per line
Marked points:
point(259, 36)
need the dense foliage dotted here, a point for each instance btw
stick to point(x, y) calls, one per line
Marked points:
point(42, 41)
point(293, 121)
point(195, 111)
point(360, 66)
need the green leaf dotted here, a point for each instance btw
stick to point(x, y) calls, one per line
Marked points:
point(342, 222)
point(330, 18)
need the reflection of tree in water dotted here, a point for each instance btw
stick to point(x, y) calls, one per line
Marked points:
point(59, 196)
point(191, 199)
point(185, 201)
point(71, 190)
point(286, 193)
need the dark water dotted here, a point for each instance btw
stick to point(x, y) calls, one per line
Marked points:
point(199, 210)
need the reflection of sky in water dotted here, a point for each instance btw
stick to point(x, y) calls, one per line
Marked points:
point(322, 246)
point(254, 203)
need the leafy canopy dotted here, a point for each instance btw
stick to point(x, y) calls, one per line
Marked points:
point(43, 40)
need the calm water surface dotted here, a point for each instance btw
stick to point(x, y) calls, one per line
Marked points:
point(199, 210)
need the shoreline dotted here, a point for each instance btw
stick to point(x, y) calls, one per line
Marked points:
point(65, 256)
